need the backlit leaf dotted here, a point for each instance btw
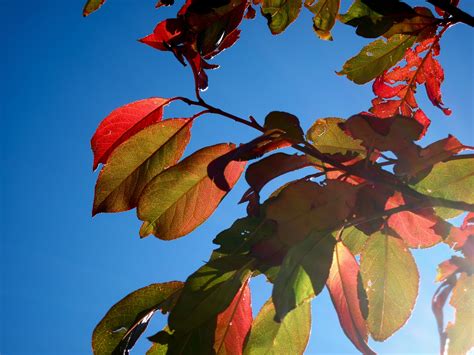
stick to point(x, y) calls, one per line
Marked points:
point(304, 206)
point(288, 337)
point(424, 160)
point(131, 313)
point(325, 13)
point(368, 22)
point(182, 197)
point(137, 161)
point(416, 227)
point(303, 273)
point(452, 180)
point(91, 6)
point(376, 57)
point(327, 135)
point(124, 122)
point(390, 278)
point(285, 122)
point(280, 13)
point(233, 325)
point(260, 173)
point(354, 239)
point(342, 284)
point(243, 233)
point(209, 291)
point(460, 339)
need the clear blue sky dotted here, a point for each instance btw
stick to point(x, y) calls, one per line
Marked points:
point(61, 74)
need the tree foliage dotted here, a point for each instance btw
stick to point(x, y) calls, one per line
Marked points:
point(374, 193)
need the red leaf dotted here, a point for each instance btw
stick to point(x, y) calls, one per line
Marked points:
point(395, 89)
point(424, 160)
point(123, 123)
point(415, 228)
point(342, 286)
point(234, 324)
point(437, 304)
point(248, 151)
point(269, 168)
point(167, 34)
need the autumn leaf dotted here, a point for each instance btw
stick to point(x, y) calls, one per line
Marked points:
point(328, 137)
point(182, 197)
point(437, 306)
point(304, 206)
point(354, 239)
point(286, 122)
point(280, 13)
point(91, 6)
point(233, 325)
point(417, 227)
point(209, 291)
point(134, 163)
point(448, 180)
point(254, 149)
point(325, 13)
point(424, 159)
point(460, 339)
point(395, 89)
point(290, 336)
point(260, 173)
point(342, 284)
point(303, 273)
point(390, 278)
point(128, 318)
point(243, 234)
point(376, 57)
point(124, 122)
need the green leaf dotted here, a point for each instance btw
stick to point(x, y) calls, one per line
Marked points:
point(390, 278)
point(280, 13)
point(354, 239)
point(288, 337)
point(452, 180)
point(182, 197)
point(91, 6)
point(376, 57)
point(286, 122)
point(243, 233)
point(129, 314)
point(327, 135)
point(460, 334)
point(209, 291)
point(368, 22)
point(325, 14)
point(137, 161)
point(303, 273)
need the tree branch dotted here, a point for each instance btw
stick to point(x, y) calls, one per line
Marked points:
point(377, 178)
point(458, 14)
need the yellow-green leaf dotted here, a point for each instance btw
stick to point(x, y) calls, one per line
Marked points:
point(376, 57)
point(91, 6)
point(280, 13)
point(137, 161)
point(124, 316)
point(461, 332)
point(182, 197)
point(326, 135)
point(303, 273)
point(354, 239)
point(325, 14)
point(453, 180)
point(291, 336)
point(390, 278)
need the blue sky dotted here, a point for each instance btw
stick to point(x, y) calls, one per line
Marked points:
point(61, 269)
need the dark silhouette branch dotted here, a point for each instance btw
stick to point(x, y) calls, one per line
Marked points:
point(457, 14)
